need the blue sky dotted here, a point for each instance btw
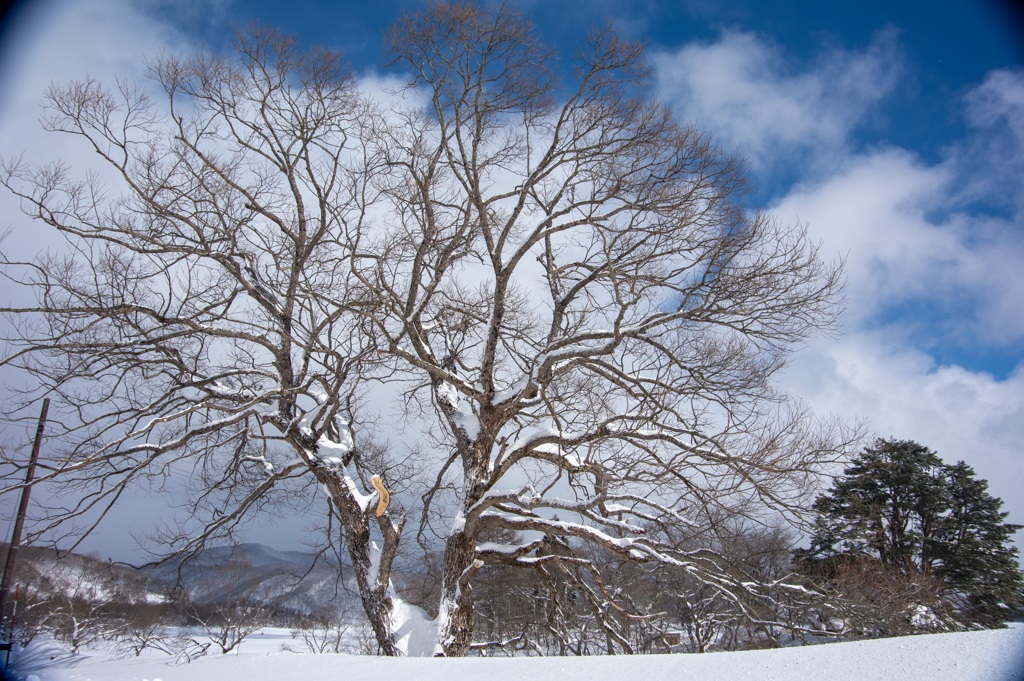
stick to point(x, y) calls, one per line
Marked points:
point(893, 130)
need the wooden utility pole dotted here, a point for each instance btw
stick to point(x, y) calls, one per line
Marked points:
point(19, 522)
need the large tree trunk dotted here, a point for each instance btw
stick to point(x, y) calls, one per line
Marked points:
point(376, 598)
point(455, 613)
point(371, 564)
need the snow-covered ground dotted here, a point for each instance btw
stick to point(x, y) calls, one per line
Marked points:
point(973, 656)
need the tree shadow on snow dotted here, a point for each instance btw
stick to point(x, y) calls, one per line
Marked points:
point(37, 657)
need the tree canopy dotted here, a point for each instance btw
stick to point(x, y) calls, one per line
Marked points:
point(899, 504)
point(574, 316)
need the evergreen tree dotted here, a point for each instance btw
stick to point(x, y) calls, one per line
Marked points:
point(978, 561)
point(900, 505)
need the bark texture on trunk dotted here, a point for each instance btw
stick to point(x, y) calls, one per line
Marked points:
point(456, 610)
point(371, 564)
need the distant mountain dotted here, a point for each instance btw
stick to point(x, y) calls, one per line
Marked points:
point(44, 572)
point(254, 558)
point(287, 579)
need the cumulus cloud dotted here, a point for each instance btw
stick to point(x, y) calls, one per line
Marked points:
point(746, 91)
point(993, 157)
point(945, 237)
point(925, 275)
point(62, 41)
point(933, 250)
point(901, 392)
point(908, 242)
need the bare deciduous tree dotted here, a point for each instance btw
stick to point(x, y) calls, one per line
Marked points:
point(325, 632)
point(572, 280)
point(197, 322)
point(580, 312)
point(235, 605)
point(79, 606)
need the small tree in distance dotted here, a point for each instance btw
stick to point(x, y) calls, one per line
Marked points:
point(931, 526)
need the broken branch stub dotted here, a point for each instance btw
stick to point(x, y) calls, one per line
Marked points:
point(384, 495)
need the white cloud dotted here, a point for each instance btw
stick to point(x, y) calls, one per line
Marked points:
point(937, 236)
point(63, 40)
point(900, 392)
point(999, 99)
point(993, 157)
point(890, 215)
point(955, 279)
point(743, 89)
point(933, 251)
point(58, 42)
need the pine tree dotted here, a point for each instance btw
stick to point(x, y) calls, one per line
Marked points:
point(900, 505)
point(979, 562)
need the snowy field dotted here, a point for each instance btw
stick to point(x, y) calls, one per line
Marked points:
point(972, 656)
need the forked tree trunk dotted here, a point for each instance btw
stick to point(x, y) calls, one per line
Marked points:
point(377, 603)
point(371, 564)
